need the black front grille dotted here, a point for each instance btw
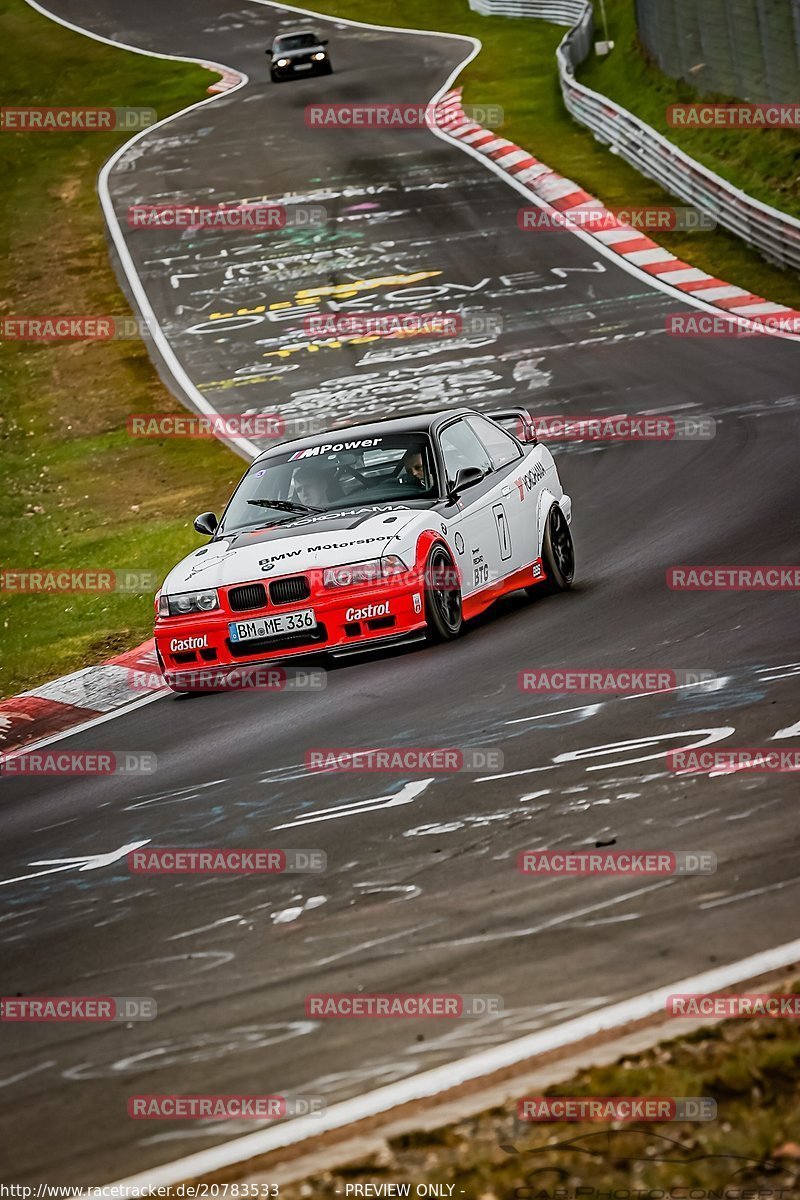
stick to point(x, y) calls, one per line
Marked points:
point(284, 641)
point(381, 623)
point(252, 595)
point(289, 591)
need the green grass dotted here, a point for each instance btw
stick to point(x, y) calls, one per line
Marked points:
point(763, 162)
point(517, 70)
point(751, 1069)
point(75, 490)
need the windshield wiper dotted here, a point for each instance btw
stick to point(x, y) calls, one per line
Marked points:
point(290, 506)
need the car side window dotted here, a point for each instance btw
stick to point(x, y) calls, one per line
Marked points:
point(502, 448)
point(461, 447)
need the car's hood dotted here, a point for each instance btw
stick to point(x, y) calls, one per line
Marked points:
point(324, 540)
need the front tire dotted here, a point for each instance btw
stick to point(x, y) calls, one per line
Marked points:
point(558, 555)
point(443, 609)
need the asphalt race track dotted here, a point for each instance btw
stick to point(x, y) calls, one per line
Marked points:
point(421, 891)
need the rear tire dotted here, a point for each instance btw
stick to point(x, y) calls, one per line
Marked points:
point(558, 555)
point(443, 609)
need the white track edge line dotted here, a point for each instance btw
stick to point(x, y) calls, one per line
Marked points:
point(427, 1083)
point(129, 265)
point(243, 446)
point(653, 280)
point(248, 448)
point(440, 1079)
point(49, 738)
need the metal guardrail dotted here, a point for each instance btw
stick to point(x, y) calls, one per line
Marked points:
point(774, 233)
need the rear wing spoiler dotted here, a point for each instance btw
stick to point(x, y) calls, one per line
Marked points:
point(517, 421)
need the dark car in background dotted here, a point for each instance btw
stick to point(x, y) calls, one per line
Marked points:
point(300, 52)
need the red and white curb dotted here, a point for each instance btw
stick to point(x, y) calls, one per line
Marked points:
point(563, 194)
point(228, 78)
point(73, 700)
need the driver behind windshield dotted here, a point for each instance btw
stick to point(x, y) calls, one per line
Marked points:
point(414, 471)
point(315, 485)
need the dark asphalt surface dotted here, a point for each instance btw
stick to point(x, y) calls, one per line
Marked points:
point(420, 894)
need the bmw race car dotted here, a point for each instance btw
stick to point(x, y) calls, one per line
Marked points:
point(302, 50)
point(363, 538)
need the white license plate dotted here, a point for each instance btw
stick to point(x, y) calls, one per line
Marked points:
point(264, 627)
point(304, 66)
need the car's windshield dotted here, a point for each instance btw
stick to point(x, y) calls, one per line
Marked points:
point(332, 475)
point(296, 41)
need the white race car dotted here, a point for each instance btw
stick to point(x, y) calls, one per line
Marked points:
point(365, 537)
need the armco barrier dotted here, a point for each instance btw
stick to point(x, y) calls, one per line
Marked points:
point(774, 233)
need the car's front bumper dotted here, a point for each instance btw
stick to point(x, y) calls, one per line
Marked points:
point(301, 68)
point(348, 619)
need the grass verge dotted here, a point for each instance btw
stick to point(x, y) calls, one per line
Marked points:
point(516, 69)
point(75, 491)
point(763, 162)
point(750, 1152)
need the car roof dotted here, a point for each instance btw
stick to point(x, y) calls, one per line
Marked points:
point(417, 423)
point(293, 33)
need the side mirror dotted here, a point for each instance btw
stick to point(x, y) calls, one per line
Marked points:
point(206, 523)
point(466, 477)
point(323, 42)
point(268, 53)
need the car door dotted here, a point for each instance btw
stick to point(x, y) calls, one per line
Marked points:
point(519, 480)
point(475, 522)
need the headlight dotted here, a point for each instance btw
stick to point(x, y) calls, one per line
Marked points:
point(187, 602)
point(282, 62)
point(354, 574)
point(318, 57)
